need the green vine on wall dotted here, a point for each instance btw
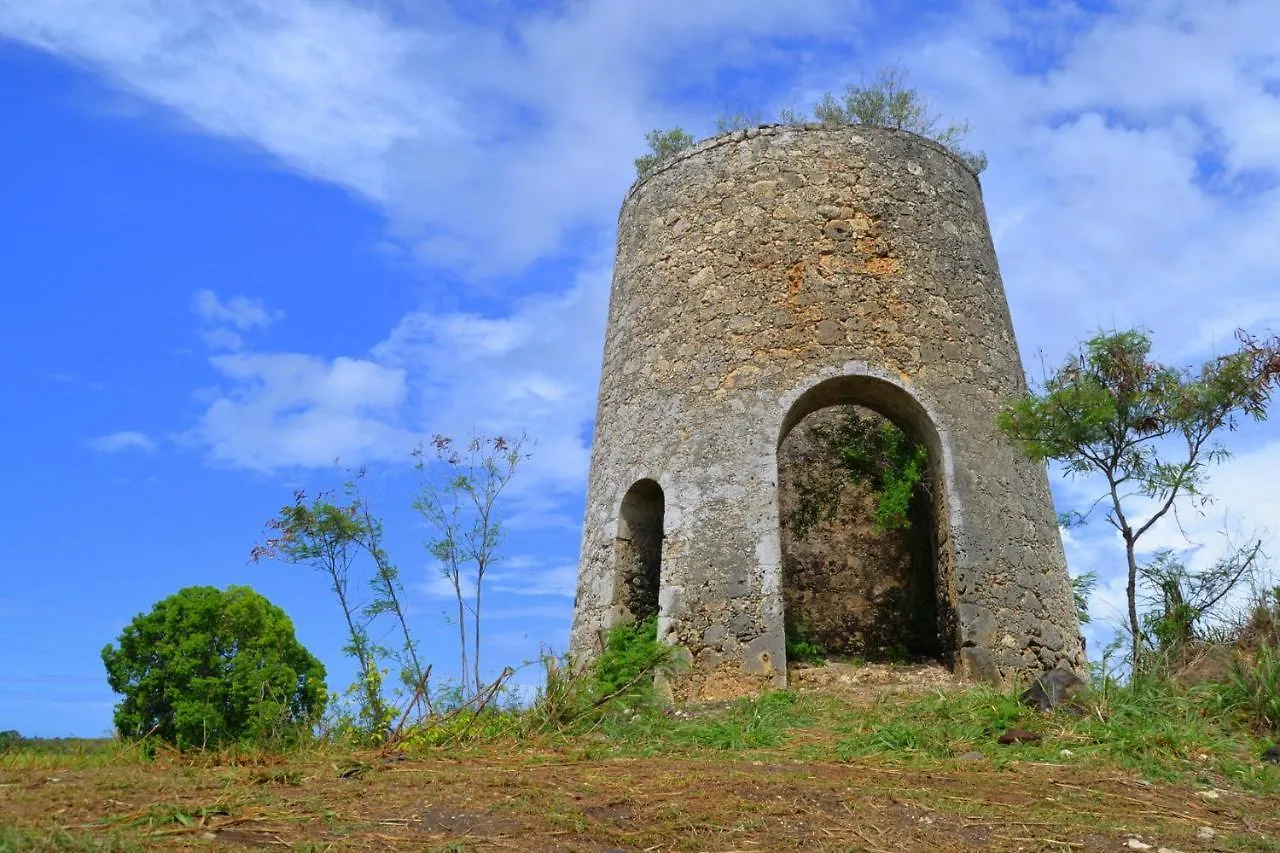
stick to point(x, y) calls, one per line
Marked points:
point(879, 454)
point(874, 452)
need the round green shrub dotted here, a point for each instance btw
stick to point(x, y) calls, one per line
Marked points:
point(208, 667)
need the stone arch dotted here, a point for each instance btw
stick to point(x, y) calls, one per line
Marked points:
point(638, 550)
point(846, 586)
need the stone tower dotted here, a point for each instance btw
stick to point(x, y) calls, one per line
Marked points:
point(764, 275)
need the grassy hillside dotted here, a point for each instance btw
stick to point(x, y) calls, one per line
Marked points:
point(876, 758)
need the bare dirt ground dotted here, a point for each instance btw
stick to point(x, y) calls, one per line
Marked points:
point(535, 797)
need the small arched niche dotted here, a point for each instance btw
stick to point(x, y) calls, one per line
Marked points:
point(853, 585)
point(638, 549)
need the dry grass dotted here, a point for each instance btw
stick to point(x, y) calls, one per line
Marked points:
point(759, 777)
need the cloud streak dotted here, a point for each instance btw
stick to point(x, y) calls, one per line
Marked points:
point(125, 440)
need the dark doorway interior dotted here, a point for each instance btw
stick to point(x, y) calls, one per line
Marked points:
point(639, 549)
point(858, 581)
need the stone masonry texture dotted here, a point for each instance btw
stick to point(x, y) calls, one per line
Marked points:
point(764, 275)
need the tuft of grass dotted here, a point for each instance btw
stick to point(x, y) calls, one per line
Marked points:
point(52, 753)
point(940, 725)
point(1151, 728)
point(758, 723)
point(762, 722)
point(60, 841)
point(1252, 688)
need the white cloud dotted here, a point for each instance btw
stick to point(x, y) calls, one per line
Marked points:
point(225, 321)
point(124, 440)
point(520, 575)
point(484, 143)
point(531, 370)
point(239, 311)
point(283, 410)
point(532, 577)
point(328, 88)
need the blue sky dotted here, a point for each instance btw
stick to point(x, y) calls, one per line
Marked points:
point(241, 240)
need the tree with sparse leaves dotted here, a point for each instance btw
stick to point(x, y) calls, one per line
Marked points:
point(1148, 429)
point(329, 537)
point(459, 502)
point(208, 667)
point(890, 102)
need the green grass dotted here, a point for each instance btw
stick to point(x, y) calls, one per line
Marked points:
point(1157, 732)
point(48, 753)
point(13, 840)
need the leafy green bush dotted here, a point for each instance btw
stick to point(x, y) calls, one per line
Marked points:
point(889, 102)
point(878, 453)
point(631, 654)
point(662, 144)
point(208, 667)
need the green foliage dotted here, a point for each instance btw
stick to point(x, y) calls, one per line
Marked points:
point(756, 723)
point(730, 121)
point(935, 726)
point(329, 537)
point(1082, 587)
point(208, 667)
point(459, 502)
point(1183, 601)
point(1148, 726)
point(1252, 689)
point(631, 654)
point(1148, 429)
point(889, 102)
point(662, 144)
point(61, 841)
point(801, 646)
point(10, 738)
point(879, 454)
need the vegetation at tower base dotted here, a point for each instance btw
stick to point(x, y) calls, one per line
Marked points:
point(922, 764)
point(886, 102)
point(208, 667)
point(1148, 429)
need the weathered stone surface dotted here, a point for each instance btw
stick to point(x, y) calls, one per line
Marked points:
point(759, 279)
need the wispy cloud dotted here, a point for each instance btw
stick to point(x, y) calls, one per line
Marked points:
point(284, 410)
point(239, 311)
point(484, 143)
point(117, 442)
point(224, 322)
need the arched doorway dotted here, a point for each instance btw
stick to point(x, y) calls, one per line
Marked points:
point(638, 549)
point(862, 526)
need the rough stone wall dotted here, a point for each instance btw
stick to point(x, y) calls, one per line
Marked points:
point(762, 275)
point(852, 589)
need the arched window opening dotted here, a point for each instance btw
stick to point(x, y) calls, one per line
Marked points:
point(639, 550)
point(861, 519)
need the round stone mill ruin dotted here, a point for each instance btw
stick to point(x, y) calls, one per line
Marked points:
point(767, 283)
